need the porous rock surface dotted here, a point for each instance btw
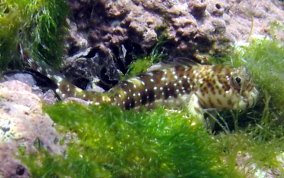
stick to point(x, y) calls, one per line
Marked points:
point(23, 124)
point(192, 26)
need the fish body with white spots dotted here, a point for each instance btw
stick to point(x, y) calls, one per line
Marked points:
point(197, 87)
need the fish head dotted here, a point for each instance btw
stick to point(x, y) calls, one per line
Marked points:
point(224, 87)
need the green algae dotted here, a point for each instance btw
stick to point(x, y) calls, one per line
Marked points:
point(257, 133)
point(264, 60)
point(142, 63)
point(110, 142)
point(35, 26)
point(115, 143)
point(240, 148)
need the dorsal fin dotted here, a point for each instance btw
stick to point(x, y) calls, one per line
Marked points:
point(167, 63)
point(158, 66)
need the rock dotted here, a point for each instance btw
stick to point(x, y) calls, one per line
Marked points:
point(247, 17)
point(9, 166)
point(20, 76)
point(193, 27)
point(41, 85)
point(249, 167)
point(121, 29)
point(23, 124)
point(91, 66)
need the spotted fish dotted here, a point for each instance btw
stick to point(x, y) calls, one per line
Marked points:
point(197, 87)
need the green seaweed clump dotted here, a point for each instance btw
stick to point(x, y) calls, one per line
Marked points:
point(254, 158)
point(258, 133)
point(141, 64)
point(264, 60)
point(114, 143)
point(34, 26)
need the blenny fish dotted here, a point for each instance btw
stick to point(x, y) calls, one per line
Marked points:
point(197, 87)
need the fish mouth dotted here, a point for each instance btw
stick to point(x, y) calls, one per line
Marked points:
point(250, 98)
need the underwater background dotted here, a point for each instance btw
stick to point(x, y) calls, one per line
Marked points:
point(50, 47)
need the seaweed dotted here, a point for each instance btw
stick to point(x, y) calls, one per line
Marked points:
point(142, 63)
point(257, 133)
point(34, 27)
point(110, 142)
point(264, 60)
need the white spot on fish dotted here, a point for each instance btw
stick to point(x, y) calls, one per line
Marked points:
point(165, 70)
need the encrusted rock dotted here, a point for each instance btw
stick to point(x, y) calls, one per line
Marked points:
point(92, 66)
point(192, 26)
point(23, 124)
point(125, 28)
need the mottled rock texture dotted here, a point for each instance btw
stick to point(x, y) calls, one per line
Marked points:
point(41, 85)
point(23, 124)
point(192, 26)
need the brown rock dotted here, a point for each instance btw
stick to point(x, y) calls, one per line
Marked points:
point(23, 123)
point(193, 26)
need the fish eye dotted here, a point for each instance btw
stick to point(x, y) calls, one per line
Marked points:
point(237, 81)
